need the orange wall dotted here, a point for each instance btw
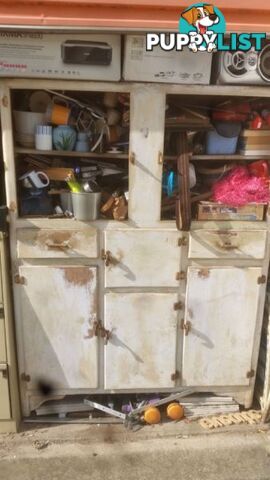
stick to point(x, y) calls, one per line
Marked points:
point(241, 15)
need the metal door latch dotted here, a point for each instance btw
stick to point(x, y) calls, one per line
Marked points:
point(175, 376)
point(181, 276)
point(108, 258)
point(186, 326)
point(99, 330)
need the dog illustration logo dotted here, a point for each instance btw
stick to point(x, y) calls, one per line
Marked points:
point(204, 20)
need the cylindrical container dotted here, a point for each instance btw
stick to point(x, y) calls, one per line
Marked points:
point(86, 205)
point(175, 411)
point(152, 415)
point(64, 137)
point(66, 202)
point(43, 137)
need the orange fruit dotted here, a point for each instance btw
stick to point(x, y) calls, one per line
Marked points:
point(152, 415)
point(175, 411)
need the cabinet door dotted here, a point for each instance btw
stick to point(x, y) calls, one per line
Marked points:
point(141, 352)
point(221, 306)
point(142, 258)
point(58, 307)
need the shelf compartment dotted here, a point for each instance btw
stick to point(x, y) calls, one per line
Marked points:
point(63, 153)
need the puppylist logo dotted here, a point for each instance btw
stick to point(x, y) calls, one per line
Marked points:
point(202, 27)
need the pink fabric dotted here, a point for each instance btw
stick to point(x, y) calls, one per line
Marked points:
point(239, 188)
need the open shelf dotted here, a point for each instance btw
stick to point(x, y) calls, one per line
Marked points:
point(63, 153)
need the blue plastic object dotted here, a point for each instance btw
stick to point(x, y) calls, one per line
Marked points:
point(218, 145)
point(169, 183)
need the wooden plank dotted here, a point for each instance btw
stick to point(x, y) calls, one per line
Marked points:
point(63, 153)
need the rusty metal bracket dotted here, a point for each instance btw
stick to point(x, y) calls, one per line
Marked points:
point(25, 377)
point(107, 257)
point(175, 376)
point(19, 279)
point(181, 275)
point(98, 330)
point(178, 306)
point(186, 326)
point(182, 242)
point(261, 280)
point(251, 374)
point(132, 158)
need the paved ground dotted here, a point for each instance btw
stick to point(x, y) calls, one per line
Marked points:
point(108, 452)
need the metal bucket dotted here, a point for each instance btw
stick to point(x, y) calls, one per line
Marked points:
point(86, 205)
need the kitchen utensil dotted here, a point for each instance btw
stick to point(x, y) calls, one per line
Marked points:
point(86, 205)
point(43, 137)
point(35, 179)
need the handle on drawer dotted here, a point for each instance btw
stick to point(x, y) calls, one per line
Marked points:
point(227, 245)
point(58, 246)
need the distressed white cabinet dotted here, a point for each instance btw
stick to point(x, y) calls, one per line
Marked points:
point(58, 310)
point(141, 351)
point(142, 258)
point(180, 309)
point(220, 322)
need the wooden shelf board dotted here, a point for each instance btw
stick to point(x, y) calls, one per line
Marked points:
point(227, 158)
point(62, 153)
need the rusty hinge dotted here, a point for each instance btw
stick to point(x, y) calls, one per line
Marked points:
point(182, 242)
point(108, 258)
point(5, 101)
point(99, 330)
point(178, 306)
point(181, 276)
point(186, 326)
point(25, 378)
point(132, 158)
point(175, 376)
point(251, 374)
point(204, 273)
point(261, 280)
point(19, 279)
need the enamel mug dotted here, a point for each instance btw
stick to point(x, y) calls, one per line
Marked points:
point(35, 179)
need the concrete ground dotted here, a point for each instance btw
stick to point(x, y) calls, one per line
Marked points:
point(109, 452)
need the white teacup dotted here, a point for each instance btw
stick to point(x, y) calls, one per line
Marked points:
point(35, 179)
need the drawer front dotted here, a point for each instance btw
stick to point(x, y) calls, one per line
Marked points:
point(227, 244)
point(142, 258)
point(35, 243)
point(5, 412)
point(3, 353)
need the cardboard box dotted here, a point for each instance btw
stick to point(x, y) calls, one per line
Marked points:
point(65, 56)
point(183, 67)
point(216, 211)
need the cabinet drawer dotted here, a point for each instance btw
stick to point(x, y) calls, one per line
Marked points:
point(227, 244)
point(3, 353)
point(4, 393)
point(36, 243)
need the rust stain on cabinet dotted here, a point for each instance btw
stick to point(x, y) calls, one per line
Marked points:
point(78, 276)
